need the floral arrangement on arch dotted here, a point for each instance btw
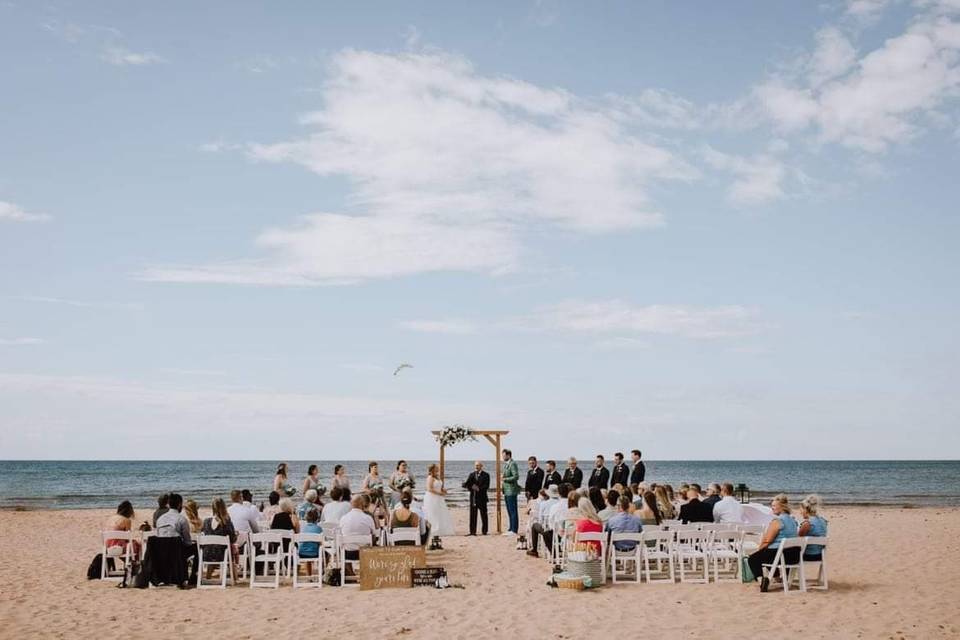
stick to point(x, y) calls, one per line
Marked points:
point(454, 434)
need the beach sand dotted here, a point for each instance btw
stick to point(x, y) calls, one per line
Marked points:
point(895, 573)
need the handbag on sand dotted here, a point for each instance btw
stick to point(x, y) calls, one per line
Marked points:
point(745, 573)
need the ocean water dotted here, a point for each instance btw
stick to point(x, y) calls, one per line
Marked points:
point(103, 484)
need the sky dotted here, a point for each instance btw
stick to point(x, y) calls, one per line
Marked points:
point(706, 230)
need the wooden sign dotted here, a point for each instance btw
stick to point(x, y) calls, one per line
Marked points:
point(425, 576)
point(386, 567)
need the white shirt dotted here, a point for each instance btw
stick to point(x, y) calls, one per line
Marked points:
point(244, 517)
point(558, 514)
point(356, 523)
point(728, 509)
point(544, 509)
point(334, 511)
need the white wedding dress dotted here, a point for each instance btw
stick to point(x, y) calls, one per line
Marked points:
point(436, 512)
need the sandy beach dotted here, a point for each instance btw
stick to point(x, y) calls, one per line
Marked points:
point(893, 574)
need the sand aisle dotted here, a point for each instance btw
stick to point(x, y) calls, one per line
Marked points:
point(895, 573)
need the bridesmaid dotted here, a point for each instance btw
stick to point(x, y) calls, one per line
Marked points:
point(399, 480)
point(312, 481)
point(340, 478)
point(280, 484)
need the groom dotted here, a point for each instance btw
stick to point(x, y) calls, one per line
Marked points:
point(477, 484)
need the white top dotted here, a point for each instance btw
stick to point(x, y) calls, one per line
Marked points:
point(357, 523)
point(728, 509)
point(334, 511)
point(244, 517)
point(558, 514)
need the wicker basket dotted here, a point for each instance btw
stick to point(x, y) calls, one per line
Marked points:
point(592, 568)
point(569, 582)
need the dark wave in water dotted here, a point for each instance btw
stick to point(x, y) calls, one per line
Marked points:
point(102, 484)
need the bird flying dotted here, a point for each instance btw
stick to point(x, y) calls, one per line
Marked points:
point(401, 367)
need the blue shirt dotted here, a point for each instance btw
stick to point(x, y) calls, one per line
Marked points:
point(818, 528)
point(788, 529)
point(623, 522)
point(310, 549)
point(304, 508)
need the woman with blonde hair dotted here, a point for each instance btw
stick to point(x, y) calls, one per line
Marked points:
point(667, 512)
point(218, 524)
point(192, 512)
point(782, 526)
point(812, 525)
point(589, 521)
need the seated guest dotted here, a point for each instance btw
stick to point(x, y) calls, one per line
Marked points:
point(417, 508)
point(286, 519)
point(782, 526)
point(242, 513)
point(695, 510)
point(635, 494)
point(624, 522)
point(219, 524)
point(588, 522)
point(273, 506)
point(713, 494)
point(310, 549)
point(649, 513)
point(610, 508)
point(163, 505)
point(572, 514)
point(680, 498)
point(356, 522)
point(339, 505)
point(596, 497)
point(192, 512)
point(404, 517)
point(812, 525)
point(728, 509)
point(122, 520)
point(310, 503)
point(541, 526)
point(173, 524)
point(664, 503)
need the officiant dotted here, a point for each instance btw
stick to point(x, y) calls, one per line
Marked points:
point(477, 484)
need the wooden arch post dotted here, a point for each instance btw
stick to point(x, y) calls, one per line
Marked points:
point(493, 436)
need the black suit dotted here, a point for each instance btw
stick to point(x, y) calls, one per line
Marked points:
point(573, 477)
point(478, 484)
point(696, 511)
point(553, 478)
point(638, 474)
point(620, 475)
point(599, 478)
point(534, 483)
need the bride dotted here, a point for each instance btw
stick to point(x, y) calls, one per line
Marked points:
point(435, 506)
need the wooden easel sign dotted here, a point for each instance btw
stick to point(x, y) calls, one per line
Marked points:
point(389, 567)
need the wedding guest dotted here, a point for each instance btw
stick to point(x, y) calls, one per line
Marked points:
point(242, 514)
point(568, 525)
point(534, 481)
point(624, 522)
point(339, 506)
point(560, 510)
point(636, 493)
point(680, 498)
point(649, 512)
point(728, 509)
point(664, 503)
point(122, 520)
point(340, 478)
point(511, 488)
point(628, 493)
point(356, 522)
point(573, 476)
point(695, 510)
point(621, 472)
point(404, 517)
point(782, 526)
point(280, 484)
point(541, 526)
point(552, 476)
point(173, 524)
point(588, 522)
point(310, 503)
point(610, 506)
point(669, 490)
point(192, 512)
point(399, 480)
point(286, 519)
point(812, 525)
point(163, 505)
point(219, 524)
point(639, 471)
point(416, 507)
point(310, 549)
point(596, 497)
point(273, 507)
point(713, 494)
point(312, 481)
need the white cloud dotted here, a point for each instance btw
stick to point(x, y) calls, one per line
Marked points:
point(621, 343)
point(866, 9)
point(83, 304)
point(833, 56)
point(121, 56)
point(451, 326)
point(449, 169)
point(13, 342)
point(758, 179)
point(193, 372)
point(11, 212)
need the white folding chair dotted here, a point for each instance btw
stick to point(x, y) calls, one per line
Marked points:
point(658, 546)
point(752, 535)
point(287, 554)
point(725, 547)
point(144, 539)
point(297, 560)
point(331, 544)
point(267, 549)
point(225, 563)
point(780, 563)
point(689, 548)
point(821, 582)
point(353, 541)
point(558, 554)
point(596, 536)
point(116, 554)
point(634, 555)
point(404, 534)
point(669, 524)
point(243, 538)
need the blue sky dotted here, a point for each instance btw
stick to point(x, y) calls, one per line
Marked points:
point(709, 231)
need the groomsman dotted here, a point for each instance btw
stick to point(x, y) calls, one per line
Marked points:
point(552, 476)
point(621, 472)
point(573, 476)
point(534, 479)
point(478, 483)
point(600, 476)
point(639, 471)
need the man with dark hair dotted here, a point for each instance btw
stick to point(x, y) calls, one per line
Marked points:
point(552, 476)
point(695, 510)
point(713, 494)
point(621, 472)
point(639, 470)
point(534, 478)
point(173, 524)
point(163, 505)
point(600, 476)
point(511, 487)
point(541, 528)
point(573, 476)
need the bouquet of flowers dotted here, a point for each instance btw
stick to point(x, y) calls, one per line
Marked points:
point(320, 489)
point(290, 490)
point(404, 482)
point(376, 491)
point(453, 434)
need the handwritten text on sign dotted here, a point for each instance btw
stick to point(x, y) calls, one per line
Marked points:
point(385, 567)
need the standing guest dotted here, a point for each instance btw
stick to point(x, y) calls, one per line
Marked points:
point(552, 476)
point(511, 488)
point(649, 512)
point(664, 505)
point(621, 472)
point(399, 480)
point(312, 481)
point(273, 507)
point(713, 494)
point(728, 509)
point(122, 520)
point(589, 522)
point(610, 508)
point(601, 475)
point(340, 478)
point(339, 506)
point(812, 525)
point(163, 505)
point(624, 522)
point(242, 514)
point(310, 503)
point(639, 471)
point(192, 511)
point(280, 484)
point(782, 526)
point(404, 517)
point(478, 483)
point(573, 476)
point(595, 494)
point(219, 524)
point(695, 510)
point(535, 476)
point(541, 526)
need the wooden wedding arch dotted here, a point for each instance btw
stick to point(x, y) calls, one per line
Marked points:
point(493, 437)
